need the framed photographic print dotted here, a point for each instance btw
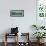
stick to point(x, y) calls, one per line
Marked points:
point(17, 13)
point(41, 8)
point(41, 12)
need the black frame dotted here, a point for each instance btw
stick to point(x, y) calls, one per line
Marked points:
point(17, 13)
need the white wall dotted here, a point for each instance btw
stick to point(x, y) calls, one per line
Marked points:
point(24, 23)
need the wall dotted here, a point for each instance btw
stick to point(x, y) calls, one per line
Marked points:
point(24, 23)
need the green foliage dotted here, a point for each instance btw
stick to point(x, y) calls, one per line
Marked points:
point(40, 27)
point(39, 35)
point(35, 27)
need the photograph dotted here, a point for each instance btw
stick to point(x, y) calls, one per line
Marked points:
point(17, 13)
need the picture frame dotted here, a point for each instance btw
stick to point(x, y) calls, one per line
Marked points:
point(41, 8)
point(17, 13)
point(40, 12)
